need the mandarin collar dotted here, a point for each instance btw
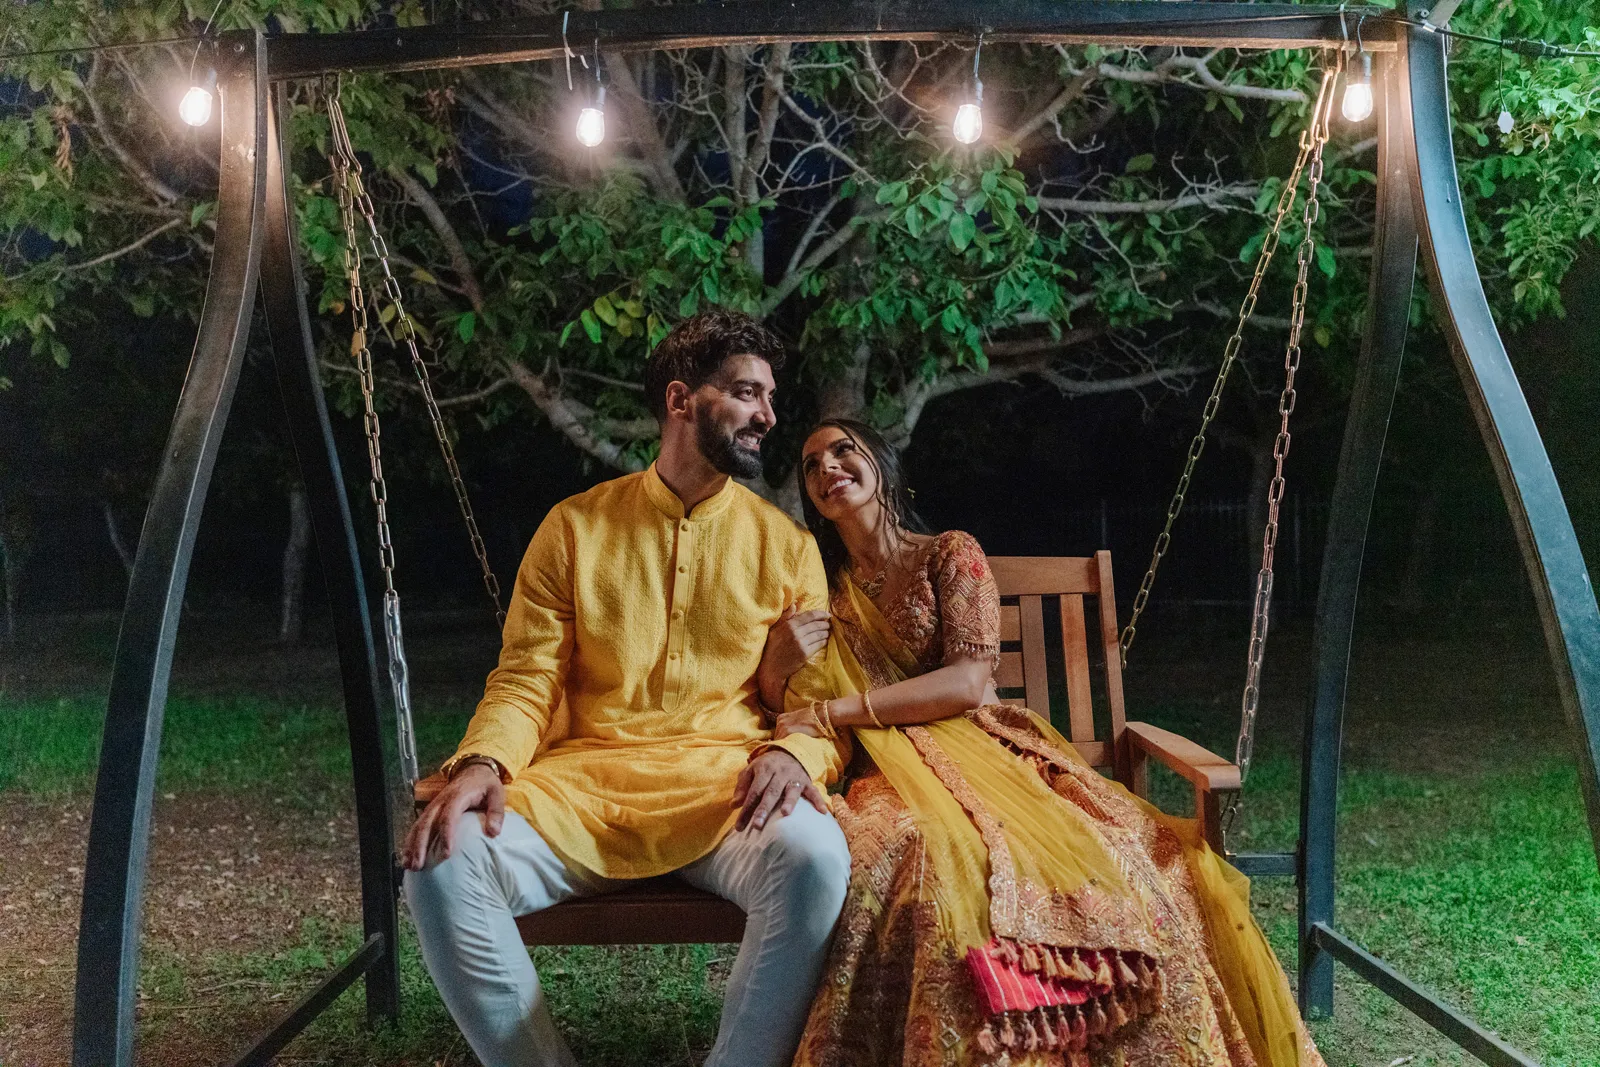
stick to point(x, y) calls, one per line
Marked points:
point(669, 504)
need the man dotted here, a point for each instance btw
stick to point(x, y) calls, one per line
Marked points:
point(640, 613)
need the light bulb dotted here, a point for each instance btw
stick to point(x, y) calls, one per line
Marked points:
point(968, 126)
point(195, 107)
point(591, 126)
point(1357, 103)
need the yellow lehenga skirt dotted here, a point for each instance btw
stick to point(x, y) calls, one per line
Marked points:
point(1009, 905)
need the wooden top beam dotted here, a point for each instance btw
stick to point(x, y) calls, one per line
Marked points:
point(1194, 23)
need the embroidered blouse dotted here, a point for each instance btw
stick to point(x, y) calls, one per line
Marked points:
point(944, 605)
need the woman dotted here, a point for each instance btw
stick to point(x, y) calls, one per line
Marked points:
point(1008, 905)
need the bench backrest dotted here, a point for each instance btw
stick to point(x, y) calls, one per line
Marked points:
point(1025, 582)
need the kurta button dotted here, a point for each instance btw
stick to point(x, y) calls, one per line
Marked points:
point(683, 570)
point(684, 527)
point(673, 656)
point(678, 614)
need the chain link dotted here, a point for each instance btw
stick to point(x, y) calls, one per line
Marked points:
point(353, 189)
point(1230, 355)
point(1317, 137)
point(347, 186)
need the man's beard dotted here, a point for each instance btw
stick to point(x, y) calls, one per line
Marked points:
point(722, 448)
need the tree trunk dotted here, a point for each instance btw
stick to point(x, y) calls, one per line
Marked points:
point(117, 543)
point(1419, 549)
point(291, 623)
point(14, 543)
point(9, 573)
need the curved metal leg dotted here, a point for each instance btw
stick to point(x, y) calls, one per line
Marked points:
point(119, 833)
point(1366, 425)
point(1550, 548)
point(282, 292)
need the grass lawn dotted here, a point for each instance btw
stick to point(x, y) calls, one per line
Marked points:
point(1473, 875)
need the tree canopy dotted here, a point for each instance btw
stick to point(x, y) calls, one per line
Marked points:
point(1097, 239)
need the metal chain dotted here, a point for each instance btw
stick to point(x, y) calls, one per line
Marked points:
point(406, 330)
point(346, 180)
point(1230, 355)
point(1317, 137)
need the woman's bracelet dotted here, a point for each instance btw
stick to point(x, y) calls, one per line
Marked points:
point(866, 704)
point(821, 711)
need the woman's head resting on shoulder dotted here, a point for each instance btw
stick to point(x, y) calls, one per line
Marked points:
point(849, 475)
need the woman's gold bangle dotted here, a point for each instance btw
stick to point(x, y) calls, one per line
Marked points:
point(824, 719)
point(866, 704)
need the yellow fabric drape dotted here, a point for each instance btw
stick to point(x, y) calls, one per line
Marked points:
point(1052, 845)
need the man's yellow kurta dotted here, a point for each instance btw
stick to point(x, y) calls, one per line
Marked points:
point(643, 628)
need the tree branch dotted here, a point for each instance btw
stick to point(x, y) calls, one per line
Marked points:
point(920, 394)
point(418, 194)
point(567, 416)
point(822, 139)
point(1070, 92)
point(125, 249)
point(158, 188)
point(767, 120)
point(819, 255)
point(1215, 197)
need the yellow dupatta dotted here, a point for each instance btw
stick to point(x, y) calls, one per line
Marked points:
point(1007, 872)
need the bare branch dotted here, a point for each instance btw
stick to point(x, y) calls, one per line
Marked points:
point(819, 255)
point(920, 394)
point(568, 416)
point(418, 194)
point(125, 249)
point(1170, 72)
point(158, 188)
point(822, 138)
point(1214, 197)
point(767, 120)
point(1070, 92)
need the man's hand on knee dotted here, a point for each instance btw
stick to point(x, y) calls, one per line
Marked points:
point(773, 781)
point(476, 788)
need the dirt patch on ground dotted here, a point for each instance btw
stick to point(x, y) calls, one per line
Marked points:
point(229, 875)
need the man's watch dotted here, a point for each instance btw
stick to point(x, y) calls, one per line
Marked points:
point(490, 762)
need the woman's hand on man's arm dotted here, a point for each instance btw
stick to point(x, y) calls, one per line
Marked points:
point(791, 641)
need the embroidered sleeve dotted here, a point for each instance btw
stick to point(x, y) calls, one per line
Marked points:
point(969, 601)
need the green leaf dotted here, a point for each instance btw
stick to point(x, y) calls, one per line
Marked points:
point(198, 213)
point(590, 325)
point(1325, 260)
point(604, 311)
point(566, 332)
point(962, 229)
point(892, 193)
point(467, 326)
point(914, 221)
point(1140, 164)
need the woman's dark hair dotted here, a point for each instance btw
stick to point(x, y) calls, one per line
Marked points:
point(893, 495)
point(697, 347)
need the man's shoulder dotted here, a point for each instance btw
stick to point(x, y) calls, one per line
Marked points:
point(600, 499)
point(774, 523)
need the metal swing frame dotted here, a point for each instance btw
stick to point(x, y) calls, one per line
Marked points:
point(1419, 208)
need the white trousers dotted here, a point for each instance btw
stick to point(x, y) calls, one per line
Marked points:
point(789, 877)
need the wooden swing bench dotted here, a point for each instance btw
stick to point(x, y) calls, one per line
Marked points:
point(664, 910)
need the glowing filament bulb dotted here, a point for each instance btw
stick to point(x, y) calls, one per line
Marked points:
point(968, 126)
point(195, 107)
point(1357, 103)
point(592, 121)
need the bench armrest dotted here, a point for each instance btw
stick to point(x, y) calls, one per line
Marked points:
point(1208, 772)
